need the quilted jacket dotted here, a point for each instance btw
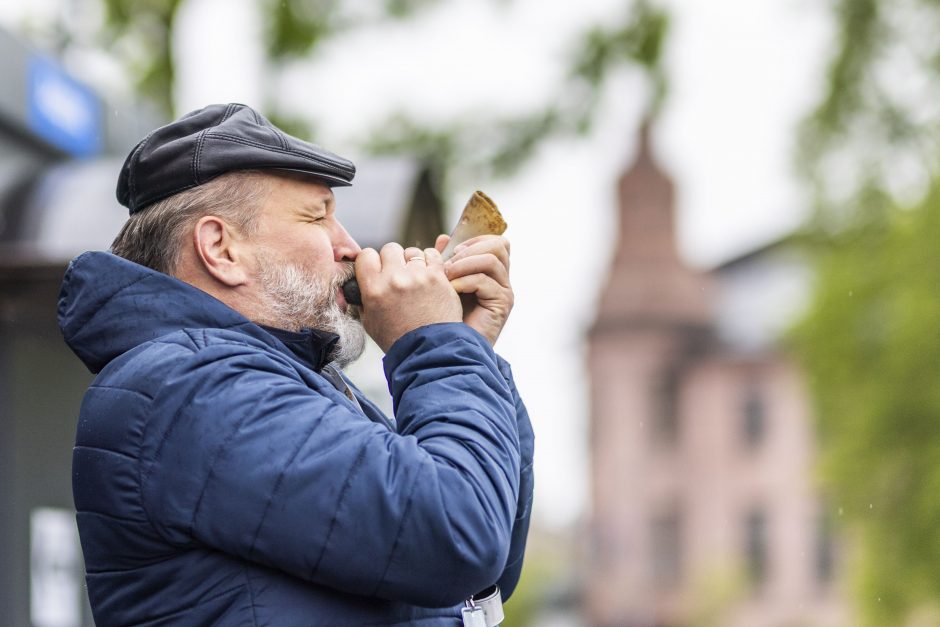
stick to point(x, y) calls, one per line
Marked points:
point(220, 479)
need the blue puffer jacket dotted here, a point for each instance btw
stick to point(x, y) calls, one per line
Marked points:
point(219, 479)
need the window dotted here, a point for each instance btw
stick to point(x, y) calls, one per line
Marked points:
point(754, 415)
point(824, 555)
point(667, 407)
point(666, 534)
point(756, 547)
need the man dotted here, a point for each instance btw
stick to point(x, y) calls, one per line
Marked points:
point(224, 472)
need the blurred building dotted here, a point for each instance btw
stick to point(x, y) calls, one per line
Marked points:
point(704, 505)
point(55, 140)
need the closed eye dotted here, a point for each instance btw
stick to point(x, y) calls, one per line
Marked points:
point(312, 218)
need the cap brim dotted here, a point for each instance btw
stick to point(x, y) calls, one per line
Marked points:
point(329, 179)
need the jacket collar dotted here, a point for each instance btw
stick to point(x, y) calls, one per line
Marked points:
point(311, 346)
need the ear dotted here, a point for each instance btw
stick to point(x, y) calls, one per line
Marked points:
point(219, 251)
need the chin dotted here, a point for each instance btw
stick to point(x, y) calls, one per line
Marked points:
point(347, 352)
point(351, 344)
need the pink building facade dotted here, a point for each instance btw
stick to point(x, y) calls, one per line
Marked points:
point(704, 506)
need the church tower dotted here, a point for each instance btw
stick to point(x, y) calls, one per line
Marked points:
point(653, 319)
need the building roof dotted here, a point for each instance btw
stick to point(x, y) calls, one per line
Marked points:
point(374, 210)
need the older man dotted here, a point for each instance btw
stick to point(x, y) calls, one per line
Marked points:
point(225, 472)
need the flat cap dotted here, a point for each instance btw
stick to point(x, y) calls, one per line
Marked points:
point(214, 140)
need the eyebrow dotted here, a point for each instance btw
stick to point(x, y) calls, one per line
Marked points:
point(312, 211)
point(318, 208)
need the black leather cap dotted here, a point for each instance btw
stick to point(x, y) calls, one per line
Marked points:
point(214, 140)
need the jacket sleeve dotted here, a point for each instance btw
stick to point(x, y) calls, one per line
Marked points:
point(253, 461)
point(520, 528)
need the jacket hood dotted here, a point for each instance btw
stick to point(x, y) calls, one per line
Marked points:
point(108, 305)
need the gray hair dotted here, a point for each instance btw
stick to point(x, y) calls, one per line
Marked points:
point(154, 236)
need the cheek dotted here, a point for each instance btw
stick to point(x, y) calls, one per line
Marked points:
point(315, 252)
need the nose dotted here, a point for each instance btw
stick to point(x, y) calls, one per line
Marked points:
point(345, 247)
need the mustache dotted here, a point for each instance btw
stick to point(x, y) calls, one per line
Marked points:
point(348, 272)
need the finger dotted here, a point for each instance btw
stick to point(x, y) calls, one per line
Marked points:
point(433, 258)
point(484, 288)
point(368, 264)
point(413, 254)
point(485, 264)
point(368, 261)
point(441, 242)
point(482, 238)
point(493, 244)
point(393, 256)
point(484, 244)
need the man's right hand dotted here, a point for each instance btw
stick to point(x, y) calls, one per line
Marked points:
point(403, 290)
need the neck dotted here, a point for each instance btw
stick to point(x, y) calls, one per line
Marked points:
point(242, 298)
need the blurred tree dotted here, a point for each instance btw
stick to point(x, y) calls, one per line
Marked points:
point(869, 340)
point(483, 147)
point(143, 29)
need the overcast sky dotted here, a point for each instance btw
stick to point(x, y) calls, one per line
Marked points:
point(741, 72)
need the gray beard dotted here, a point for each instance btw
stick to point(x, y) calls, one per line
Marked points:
point(296, 299)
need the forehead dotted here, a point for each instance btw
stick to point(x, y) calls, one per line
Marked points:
point(294, 191)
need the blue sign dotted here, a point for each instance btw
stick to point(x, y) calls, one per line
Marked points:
point(64, 112)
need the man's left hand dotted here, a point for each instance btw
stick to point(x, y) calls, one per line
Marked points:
point(479, 272)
